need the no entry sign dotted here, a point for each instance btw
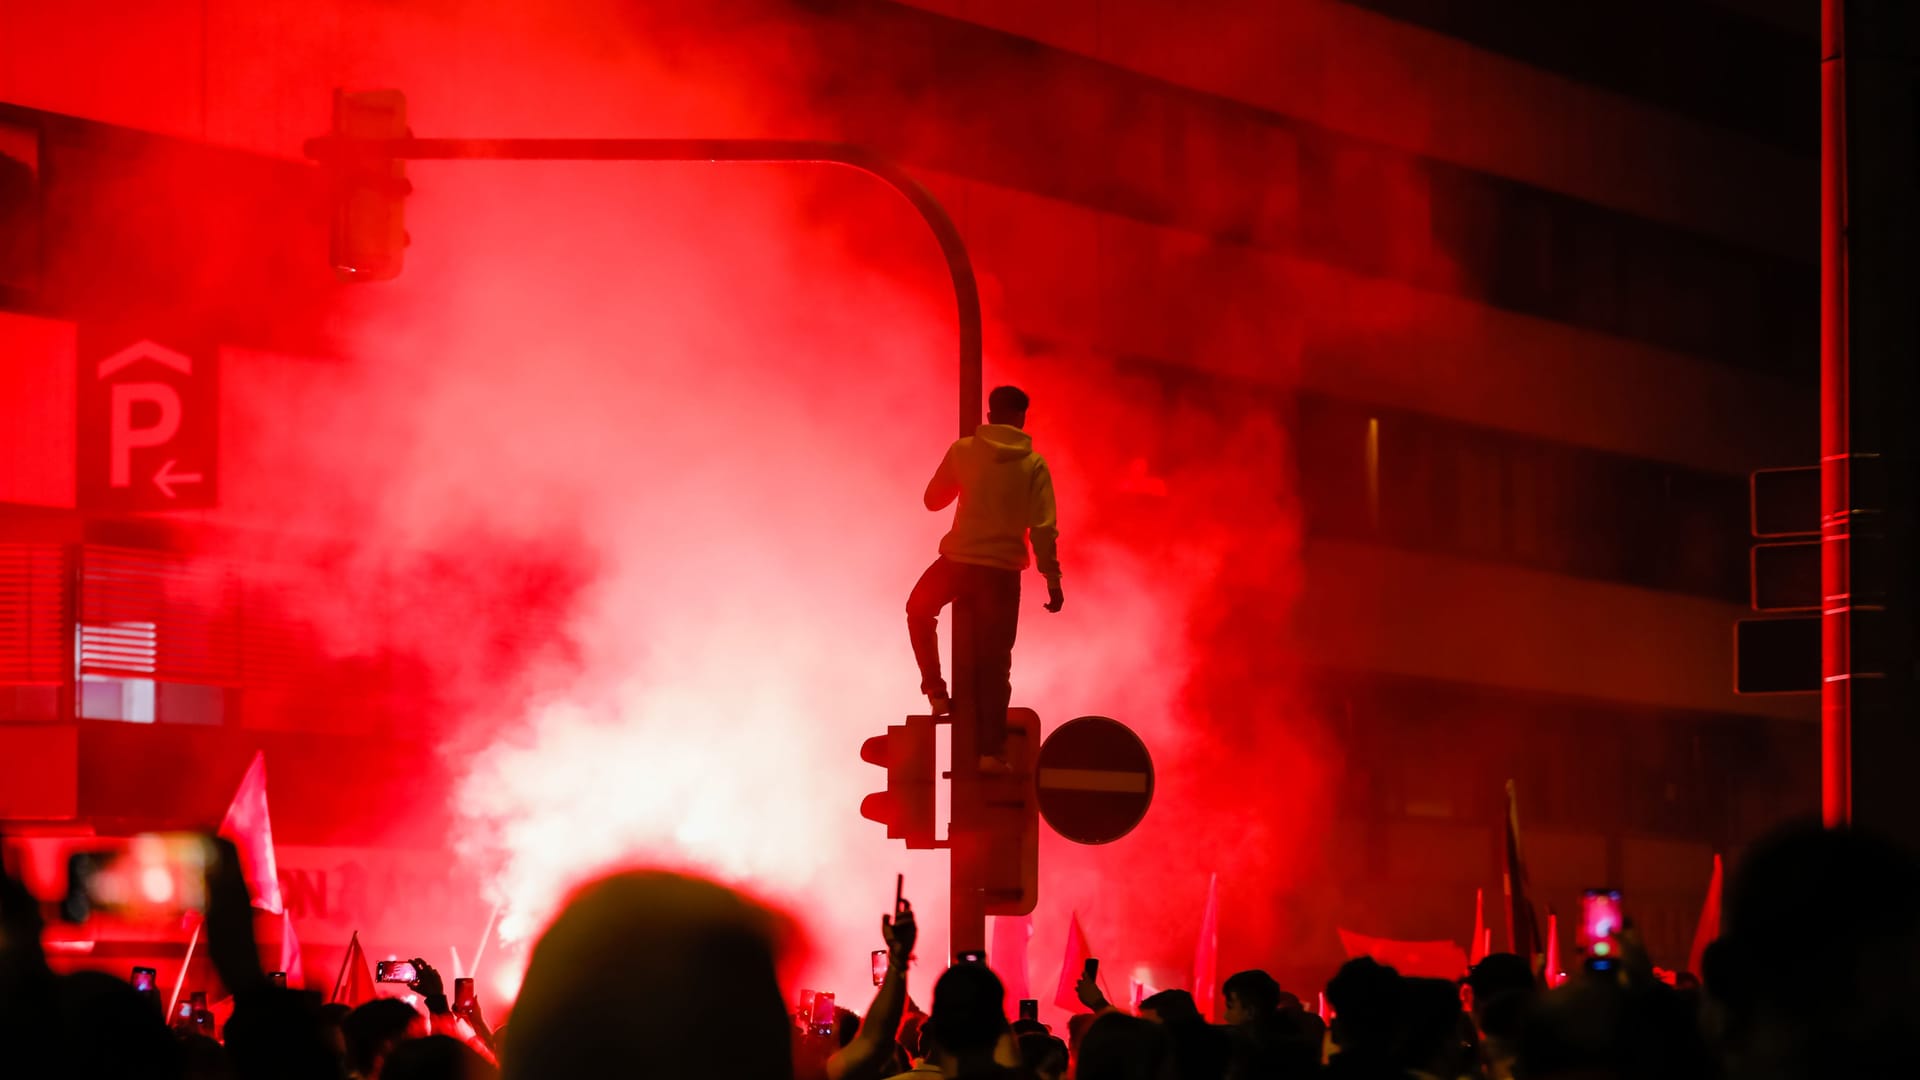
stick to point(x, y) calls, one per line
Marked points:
point(1095, 780)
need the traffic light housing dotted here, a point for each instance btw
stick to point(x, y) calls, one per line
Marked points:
point(906, 807)
point(1010, 875)
point(369, 229)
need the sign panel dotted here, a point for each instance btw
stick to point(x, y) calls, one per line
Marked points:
point(148, 436)
point(1095, 780)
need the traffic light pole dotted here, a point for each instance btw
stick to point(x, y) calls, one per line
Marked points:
point(967, 839)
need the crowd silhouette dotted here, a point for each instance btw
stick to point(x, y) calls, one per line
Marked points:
point(1816, 974)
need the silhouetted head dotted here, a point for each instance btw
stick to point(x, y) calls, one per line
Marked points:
point(1007, 405)
point(1365, 995)
point(1251, 996)
point(1122, 1047)
point(1171, 1007)
point(1817, 970)
point(969, 1010)
point(650, 972)
point(1496, 974)
point(374, 1029)
point(108, 1030)
point(1429, 1029)
point(1043, 1055)
point(436, 1057)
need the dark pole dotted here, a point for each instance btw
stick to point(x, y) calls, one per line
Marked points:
point(968, 929)
point(1870, 392)
point(1836, 777)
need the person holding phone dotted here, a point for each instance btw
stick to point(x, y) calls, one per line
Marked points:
point(870, 1054)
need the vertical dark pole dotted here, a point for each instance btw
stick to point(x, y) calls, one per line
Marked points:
point(1836, 758)
point(1871, 274)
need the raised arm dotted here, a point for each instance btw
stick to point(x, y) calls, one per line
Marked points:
point(871, 1051)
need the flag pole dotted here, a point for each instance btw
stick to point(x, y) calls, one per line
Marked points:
point(485, 936)
point(192, 943)
point(344, 961)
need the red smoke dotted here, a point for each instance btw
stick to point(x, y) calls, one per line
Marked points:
point(687, 412)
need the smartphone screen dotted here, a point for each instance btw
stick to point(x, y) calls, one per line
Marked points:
point(823, 1014)
point(879, 966)
point(394, 971)
point(153, 877)
point(1602, 916)
point(1030, 1009)
point(463, 993)
point(144, 979)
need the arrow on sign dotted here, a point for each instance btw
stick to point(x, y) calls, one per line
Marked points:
point(166, 478)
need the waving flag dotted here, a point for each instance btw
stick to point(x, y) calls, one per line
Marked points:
point(1071, 965)
point(1709, 926)
point(248, 826)
point(1206, 954)
point(1523, 926)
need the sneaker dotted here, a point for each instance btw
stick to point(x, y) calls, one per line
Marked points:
point(939, 702)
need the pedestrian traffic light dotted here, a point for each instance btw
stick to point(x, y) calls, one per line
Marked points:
point(906, 807)
point(369, 234)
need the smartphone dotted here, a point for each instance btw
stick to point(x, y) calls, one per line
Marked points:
point(1093, 967)
point(153, 877)
point(462, 994)
point(1601, 918)
point(899, 893)
point(394, 971)
point(144, 979)
point(971, 956)
point(1030, 1009)
point(183, 1014)
point(822, 1025)
point(879, 966)
point(278, 979)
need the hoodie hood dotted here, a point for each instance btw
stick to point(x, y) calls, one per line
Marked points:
point(1007, 443)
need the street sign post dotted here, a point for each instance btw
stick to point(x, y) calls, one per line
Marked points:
point(148, 424)
point(1094, 779)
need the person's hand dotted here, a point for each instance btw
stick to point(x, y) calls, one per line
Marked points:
point(229, 921)
point(20, 926)
point(426, 981)
point(900, 932)
point(1055, 598)
point(1088, 991)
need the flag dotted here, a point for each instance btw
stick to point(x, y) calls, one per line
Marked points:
point(1709, 927)
point(1071, 965)
point(1326, 1012)
point(290, 960)
point(1523, 926)
point(1486, 943)
point(1008, 955)
point(1476, 945)
point(1206, 954)
point(1428, 959)
point(248, 826)
point(1553, 949)
point(354, 985)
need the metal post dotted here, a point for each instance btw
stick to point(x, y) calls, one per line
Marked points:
point(968, 911)
point(1870, 392)
point(1836, 690)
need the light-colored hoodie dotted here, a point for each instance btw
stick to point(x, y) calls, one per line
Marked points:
point(1006, 494)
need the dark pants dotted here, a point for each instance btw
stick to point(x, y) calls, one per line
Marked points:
point(993, 596)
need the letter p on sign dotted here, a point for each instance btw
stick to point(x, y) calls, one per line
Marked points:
point(123, 437)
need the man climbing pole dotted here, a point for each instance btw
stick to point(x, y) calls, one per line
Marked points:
point(1006, 495)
